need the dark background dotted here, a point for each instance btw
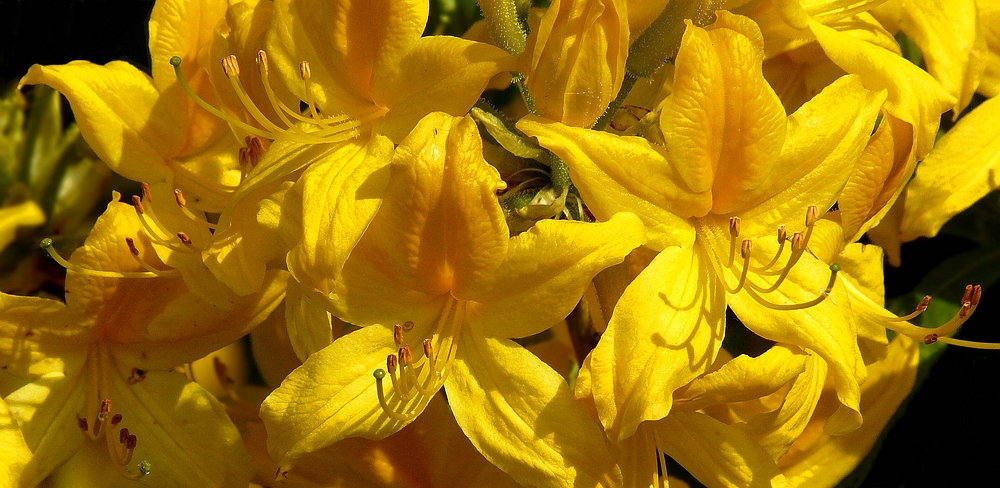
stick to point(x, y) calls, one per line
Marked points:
point(950, 429)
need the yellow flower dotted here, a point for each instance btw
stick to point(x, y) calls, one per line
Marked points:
point(21, 215)
point(15, 454)
point(735, 172)
point(437, 271)
point(97, 368)
point(145, 127)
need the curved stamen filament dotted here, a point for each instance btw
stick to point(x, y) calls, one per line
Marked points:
point(734, 232)
point(47, 245)
point(782, 238)
point(336, 129)
point(379, 374)
point(163, 273)
point(970, 301)
point(834, 269)
point(745, 251)
point(182, 203)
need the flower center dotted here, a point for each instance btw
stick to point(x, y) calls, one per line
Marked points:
point(418, 378)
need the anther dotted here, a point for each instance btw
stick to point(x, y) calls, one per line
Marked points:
point(82, 424)
point(397, 335)
point(405, 355)
point(734, 227)
point(179, 197)
point(116, 419)
point(930, 339)
point(137, 203)
point(131, 442)
point(184, 238)
point(977, 293)
point(924, 303)
point(147, 195)
point(746, 248)
point(390, 364)
point(231, 66)
point(105, 410)
point(798, 242)
point(262, 62)
point(967, 294)
point(123, 435)
point(304, 70)
point(428, 349)
point(782, 234)
point(131, 246)
point(812, 214)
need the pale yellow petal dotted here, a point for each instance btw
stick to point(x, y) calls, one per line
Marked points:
point(743, 378)
point(15, 452)
point(25, 214)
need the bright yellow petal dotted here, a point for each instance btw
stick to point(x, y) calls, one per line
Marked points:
point(438, 73)
point(336, 199)
point(913, 95)
point(181, 430)
point(666, 330)
point(826, 136)
point(960, 170)
point(715, 453)
point(624, 174)
point(546, 272)
point(879, 178)
point(951, 41)
point(15, 452)
point(333, 396)
point(35, 333)
point(989, 17)
point(116, 108)
point(821, 459)
point(309, 328)
point(522, 416)
point(743, 378)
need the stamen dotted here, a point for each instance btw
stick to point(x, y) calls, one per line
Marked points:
point(782, 238)
point(379, 374)
point(734, 232)
point(168, 273)
point(746, 249)
point(823, 294)
point(184, 238)
point(397, 335)
point(82, 424)
point(46, 244)
point(116, 419)
point(182, 203)
point(346, 128)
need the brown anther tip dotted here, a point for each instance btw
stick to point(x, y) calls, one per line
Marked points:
point(964, 311)
point(106, 406)
point(924, 303)
point(123, 435)
point(977, 293)
point(262, 60)
point(304, 70)
point(131, 442)
point(734, 226)
point(812, 215)
point(782, 233)
point(131, 246)
point(231, 66)
point(397, 335)
point(967, 295)
point(798, 241)
point(179, 197)
point(184, 238)
point(930, 338)
point(405, 355)
point(137, 203)
point(147, 195)
point(116, 419)
point(746, 248)
point(390, 363)
point(428, 348)
point(82, 424)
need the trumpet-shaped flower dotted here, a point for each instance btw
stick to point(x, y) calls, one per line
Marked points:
point(736, 172)
point(439, 288)
point(97, 368)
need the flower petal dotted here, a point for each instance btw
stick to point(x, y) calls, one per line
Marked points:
point(522, 416)
point(666, 330)
point(15, 452)
point(12, 217)
point(546, 272)
point(624, 174)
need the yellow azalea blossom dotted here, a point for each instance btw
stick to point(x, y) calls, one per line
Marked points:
point(436, 271)
point(367, 60)
point(989, 16)
point(575, 61)
point(96, 369)
point(146, 127)
point(735, 172)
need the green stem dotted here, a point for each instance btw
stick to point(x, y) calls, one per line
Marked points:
point(505, 27)
point(623, 92)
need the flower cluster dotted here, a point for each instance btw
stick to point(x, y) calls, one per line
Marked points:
point(508, 258)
